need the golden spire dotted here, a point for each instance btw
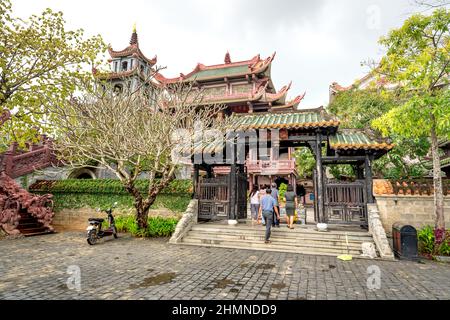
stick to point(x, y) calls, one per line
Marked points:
point(134, 36)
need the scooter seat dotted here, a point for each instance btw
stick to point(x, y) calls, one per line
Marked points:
point(99, 220)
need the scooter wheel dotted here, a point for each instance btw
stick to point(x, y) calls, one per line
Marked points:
point(92, 237)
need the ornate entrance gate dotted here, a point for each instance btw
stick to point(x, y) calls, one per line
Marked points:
point(345, 203)
point(223, 197)
point(213, 198)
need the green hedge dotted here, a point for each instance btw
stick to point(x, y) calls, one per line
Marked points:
point(175, 202)
point(102, 193)
point(104, 186)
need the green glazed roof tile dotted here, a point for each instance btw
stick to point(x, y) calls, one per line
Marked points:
point(353, 139)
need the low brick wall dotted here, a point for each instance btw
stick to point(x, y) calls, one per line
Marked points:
point(77, 219)
point(417, 211)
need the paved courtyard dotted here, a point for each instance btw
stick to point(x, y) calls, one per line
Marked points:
point(128, 268)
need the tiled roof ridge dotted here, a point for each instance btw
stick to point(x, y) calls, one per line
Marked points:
point(121, 74)
point(255, 65)
point(299, 111)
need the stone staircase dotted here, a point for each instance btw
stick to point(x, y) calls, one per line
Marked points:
point(30, 226)
point(303, 239)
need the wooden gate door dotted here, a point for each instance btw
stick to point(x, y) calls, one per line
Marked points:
point(345, 203)
point(213, 198)
point(241, 195)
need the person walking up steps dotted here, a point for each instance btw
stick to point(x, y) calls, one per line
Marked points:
point(266, 209)
point(275, 196)
point(254, 203)
point(262, 192)
point(291, 203)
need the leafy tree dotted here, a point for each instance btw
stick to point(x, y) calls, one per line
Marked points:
point(356, 109)
point(305, 162)
point(41, 63)
point(418, 58)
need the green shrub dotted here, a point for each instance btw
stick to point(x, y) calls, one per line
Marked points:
point(426, 240)
point(427, 244)
point(444, 248)
point(157, 226)
point(282, 190)
point(161, 227)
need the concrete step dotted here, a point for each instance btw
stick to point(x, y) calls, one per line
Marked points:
point(302, 239)
point(280, 243)
point(297, 228)
point(279, 239)
point(286, 233)
point(259, 245)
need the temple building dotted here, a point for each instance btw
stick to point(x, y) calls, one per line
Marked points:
point(244, 87)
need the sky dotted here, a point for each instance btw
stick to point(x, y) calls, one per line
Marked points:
point(316, 42)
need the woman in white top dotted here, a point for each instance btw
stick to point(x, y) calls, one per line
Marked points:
point(254, 203)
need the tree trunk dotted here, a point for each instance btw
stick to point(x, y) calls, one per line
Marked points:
point(140, 205)
point(437, 183)
point(141, 217)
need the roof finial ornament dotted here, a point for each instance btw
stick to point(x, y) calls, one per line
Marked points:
point(227, 58)
point(134, 36)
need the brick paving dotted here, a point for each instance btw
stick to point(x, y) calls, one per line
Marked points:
point(129, 268)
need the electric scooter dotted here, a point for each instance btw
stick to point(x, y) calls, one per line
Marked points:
point(94, 230)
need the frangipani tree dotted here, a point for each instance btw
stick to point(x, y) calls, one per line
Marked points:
point(418, 58)
point(134, 134)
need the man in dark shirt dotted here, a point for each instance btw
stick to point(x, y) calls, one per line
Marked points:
point(266, 210)
point(275, 195)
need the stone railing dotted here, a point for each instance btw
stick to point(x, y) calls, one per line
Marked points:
point(189, 219)
point(378, 232)
point(16, 163)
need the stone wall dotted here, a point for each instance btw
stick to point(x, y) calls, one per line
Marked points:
point(77, 219)
point(417, 211)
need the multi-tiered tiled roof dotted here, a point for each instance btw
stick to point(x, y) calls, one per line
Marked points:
point(254, 71)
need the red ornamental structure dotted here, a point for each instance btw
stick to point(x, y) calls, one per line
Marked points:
point(23, 212)
point(20, 211)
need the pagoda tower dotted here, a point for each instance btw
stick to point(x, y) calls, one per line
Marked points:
point(129, 68)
